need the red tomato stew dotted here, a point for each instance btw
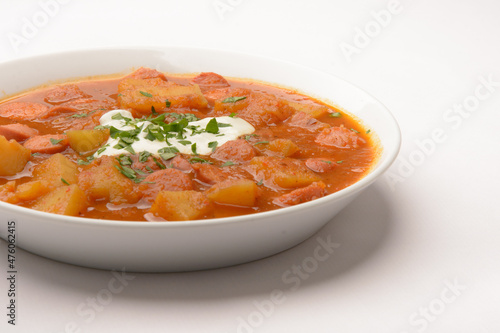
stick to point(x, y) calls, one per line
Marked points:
point(153, 147)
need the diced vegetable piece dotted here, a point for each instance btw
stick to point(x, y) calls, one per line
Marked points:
point(65, 200)
point(18, 132)
point(23, 110)
point(54, 169)
point(308, 193)
point(239, 192)
point(321, 164)
point(283, 147)
point(165, 180)
point(283, 172)
point(13, 157)
point(181, 205)
point(234, 150)
point(64, 93)
point(314, 110)
point(47, 144)
point(101, 180)
point(339, 137)
point(141, 95)
point(33, 189)
point(7, 192)
point(84, 141)
point(306, 121)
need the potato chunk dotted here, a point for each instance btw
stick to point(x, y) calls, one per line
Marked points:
point(283, 172)
point(314, 110)
point(181, 205)
point(141, 95)
point(7, 192)
point(84, 141)
point(13, 157)
point(32, 190)
point(283, 147)
point(238, 192)
point(65, 200)
point(101, 180)
point(54, 169)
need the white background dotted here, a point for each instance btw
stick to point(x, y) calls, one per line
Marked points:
point(419, 250)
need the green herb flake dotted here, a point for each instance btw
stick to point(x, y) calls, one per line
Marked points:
point(143, 156)
point(352, 129)
point(55, 141)
point(153, 111)
point(168, 153)
point(81, 115)
point(64, 181)
point(233, 115)
point(248, 137)
point(101, 150)
point(329, 162)
point(340, 162)
point(260, 182)
point(158, 164)
point(228, 163)
point(368, 131)
point(198, 160)
point(335, 115)
point(213, 145)
point(261, 142)
point(233, 99)
point(167, 103)
point(185, 142)
point(35, 154)
point(193, 148)
point(145, 93)
point(212, 126)
point(149, 169)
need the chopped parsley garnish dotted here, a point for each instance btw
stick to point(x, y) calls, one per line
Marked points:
point(124, 160)
point(198, 160)
point(228, 163)
point(234, 114)
point(329, 162)
point(224, 125)
point(35, 154)
point(193, 148)
point(249, 136)
point(335, 115)
point(55, 141)
point(145, 93)
point(212, 126)
point(81, 115)
point(101, 150)
point(233, 99)
point(261, 142)
point(339, 162)
point(368, 131)
point(158, 164)
point(213, 145)
point(153, 111)
point(64, 181)
point(184, 142)
point(352, 129)
point(143, 156)
point(168, 153)
point(167, 103)
point(260, 182)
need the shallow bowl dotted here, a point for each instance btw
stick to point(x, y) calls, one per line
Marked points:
point(191, 245)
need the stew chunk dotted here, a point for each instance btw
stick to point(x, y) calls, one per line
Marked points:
point(13, 157)
point(283, 172)
point(181, 205)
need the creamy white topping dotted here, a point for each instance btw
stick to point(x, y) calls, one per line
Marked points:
point(196, 138)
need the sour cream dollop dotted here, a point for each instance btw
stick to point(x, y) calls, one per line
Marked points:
point(196, 138)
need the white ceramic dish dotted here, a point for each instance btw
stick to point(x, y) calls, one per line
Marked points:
point(192, 245)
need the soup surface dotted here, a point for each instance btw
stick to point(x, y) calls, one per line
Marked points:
point(154, 147)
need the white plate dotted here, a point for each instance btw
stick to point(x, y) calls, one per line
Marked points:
point(192, 245)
